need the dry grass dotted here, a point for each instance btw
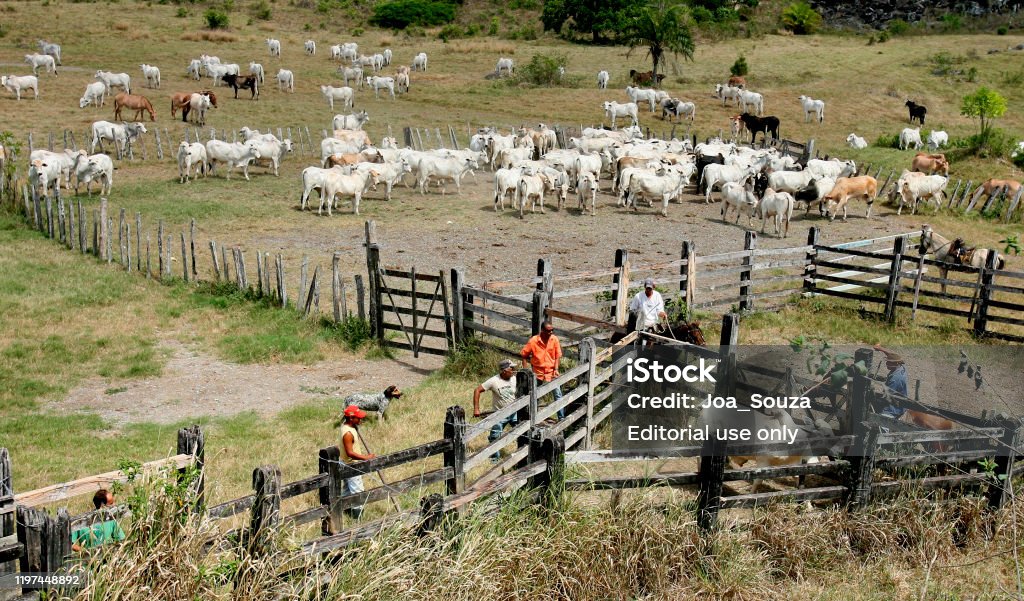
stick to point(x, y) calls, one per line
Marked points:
point(121, 26)
point(489, 46)
point(209, 36)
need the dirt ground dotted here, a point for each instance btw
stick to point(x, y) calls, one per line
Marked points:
point(197, 384)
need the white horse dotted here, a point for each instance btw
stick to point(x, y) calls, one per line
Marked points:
point(955, 252)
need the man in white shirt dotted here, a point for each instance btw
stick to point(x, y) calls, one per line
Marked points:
point(503, 393)
point(648, 306)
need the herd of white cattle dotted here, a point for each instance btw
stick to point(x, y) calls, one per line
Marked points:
point(526, 163)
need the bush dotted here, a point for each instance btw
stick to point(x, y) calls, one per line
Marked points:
point(526, 32)
point(993, 142)
point(216, 19)
point(493, 29)
point(262, 10)
point(885, 141)
point(1003, 30)
point(399, 14)
point(897, 27)
point(358, 31)
point(702, 15)
point(739, 68)
point(725, 14)
point(952, 22)
point(182, 12)
point(801, 18)
point(542, 70)
point(450, 32)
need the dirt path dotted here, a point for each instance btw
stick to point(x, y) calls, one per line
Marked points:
point(197, 384)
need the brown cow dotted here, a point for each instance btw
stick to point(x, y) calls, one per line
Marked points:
point(929, 422)
point(865, 187)
point(355, 136)
point(370, 155)
point(930, 164)
point(180, 100)
point(992, 186)
point(133, 101)
point(644, 79)
point(737, 81)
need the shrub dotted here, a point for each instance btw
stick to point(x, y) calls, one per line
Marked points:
point(702, 15)
point(450, 32)
point(724, 14)
point(883, 36)
point(542, 70)
point(952, 22)
point(739, 68)
point(182, 12)
point(885, 141)
point(1015, 78)
point(897, 27)
point(262, 10)
point(216, 19)
point(801, 18)
point(493, 29)
point(526, 32)
point(1003, 30)
point(358, 31)
point(399, 14)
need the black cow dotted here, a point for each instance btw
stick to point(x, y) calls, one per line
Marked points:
point(702, 162)
point(248, 82)
point(917, 111)
point(755, 125)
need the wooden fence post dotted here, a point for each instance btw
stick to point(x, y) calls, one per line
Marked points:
point(184, 259)
point(985, 293)
point(8, 532)
point(547, 283)
point(46, 540)
point(525, 386)
point(260, 290)
point(1005, 458)
point(192, 248)
point(431, 509)
point(266, 508)
point(138, 241)
point(330, 464)
point(191, 441)
point(1013, 205)
point(540, 304)
point(104, 232)
point(688, 273)
point(83, 245)
point(810, 267)
point(621, 293)
point(336, 286)
point(749, 243)
point(282, 290)
point(160, 247)
point(892, 292)
point(120, 235)
point(303, 273)
point(458, 279)
point(858, 485)
point(360, 296)
point(110, 240)
point(312, 304)
point(216, 262)
point(550, 449)
point(455, 431)
point(709, 486)
point(588, 354)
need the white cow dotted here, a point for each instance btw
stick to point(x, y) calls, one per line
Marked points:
point(676, 108)
point(94, 94)
point(855, 141)
point(602, 80)
point(443, 169)
point(779, 206)
point(257, 70)
point(194, 69)
point(614, 110)
point(353, 121)
point(310, 47)
point(198, 105)
point(216, 71)
point(381, 83)
point(665, 185)
point(790, 181)
point(832, 168)
point(65, 160)
point(351, 73)
point(715, 174)
point(419, 62)
point(271, 151)
point(313, 178)
point(378, 61)
point(41, 60)
point(402, 82)
point(50, 49)
point(739, 195)
point(152, 75)
point(910, 137)
point(344, 94)
point(44, 175)
point(752, 100)
point(274, 46)
point(388, 173)
point(349, 50)
point(387, 56)
point(639, 95)
point(121, 134)
point(112, 80)
point(937, 139)
point(335, 52)
point(812, 108)
point(16, 84)
point(234, 154)
point(727, 93)
point(505, 181)
point(530, 189)
point(354, 185)
point(586, 186)
point(505, 65)
point(921, 187)
point(285, 80)
point(189, 155)
point(330, 146)
point(90, 167)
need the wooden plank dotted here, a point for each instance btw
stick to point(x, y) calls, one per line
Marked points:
point(885, 256)
point(935, 309)
point(985, 434)
point(90, 484)
point(415, 332)
point(503, 334)
point(933, 458)
point(588, 290)
point(395, 459)
point(504, 440)
point(423, 349)
point(882, 490)
point(233, 507)
point(1009, 320)
point(497, 298)
point(330, 543)
point(299, 487)
point(849, 295)
point(394, 488)
point(312, 514)
point(766, 498)
point(582, 319)
point(872, 283)
point(848, 270)
point(478, 490)
point(423, 277)
point(518, 321)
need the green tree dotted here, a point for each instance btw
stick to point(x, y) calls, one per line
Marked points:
point(985, 105)
point(601, 19)
point(660, 29)
point(801, 18)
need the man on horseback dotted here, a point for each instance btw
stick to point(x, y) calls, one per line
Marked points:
point(648, 307)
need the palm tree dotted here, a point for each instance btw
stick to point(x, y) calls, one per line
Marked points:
point(659, 29)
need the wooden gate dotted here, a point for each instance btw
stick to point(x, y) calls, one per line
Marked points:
point(410, 303)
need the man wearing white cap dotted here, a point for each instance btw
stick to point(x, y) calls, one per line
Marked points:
point(503, 393)
point(648, 306)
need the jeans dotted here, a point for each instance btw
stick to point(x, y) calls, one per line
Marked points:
point(498, 428)
point(354, 485)
point(556, 395)
point(893, 411)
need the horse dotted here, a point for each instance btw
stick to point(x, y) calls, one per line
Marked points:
point(955, 252)
point(133, 101)
point(756, 125)
point(992, 186)
point(181, 101)
point(682, 331)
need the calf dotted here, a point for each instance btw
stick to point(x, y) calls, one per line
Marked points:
point(234, 155)
point(274, 46)
point(310, 46)
point(505, 180)
point(602, 80)
point(189, 155)
point(586, 186)
point(777, 205)
point(930, 163)
point(336, 182)
point(248, 82)
point(865, 187)
point(912, 190)
point(530, 189)
point(857, 142)
point(419, 62)
point(741, 196)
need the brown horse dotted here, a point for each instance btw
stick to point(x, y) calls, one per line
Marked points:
point(992, 186)
point(133, 101)
point(181, 101)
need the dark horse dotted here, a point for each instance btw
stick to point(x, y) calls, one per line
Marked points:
point(917, 111)
point(756, 125)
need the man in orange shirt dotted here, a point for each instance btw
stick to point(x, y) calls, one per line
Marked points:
point(544, 354)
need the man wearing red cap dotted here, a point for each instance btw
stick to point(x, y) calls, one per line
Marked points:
point(352, 450)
